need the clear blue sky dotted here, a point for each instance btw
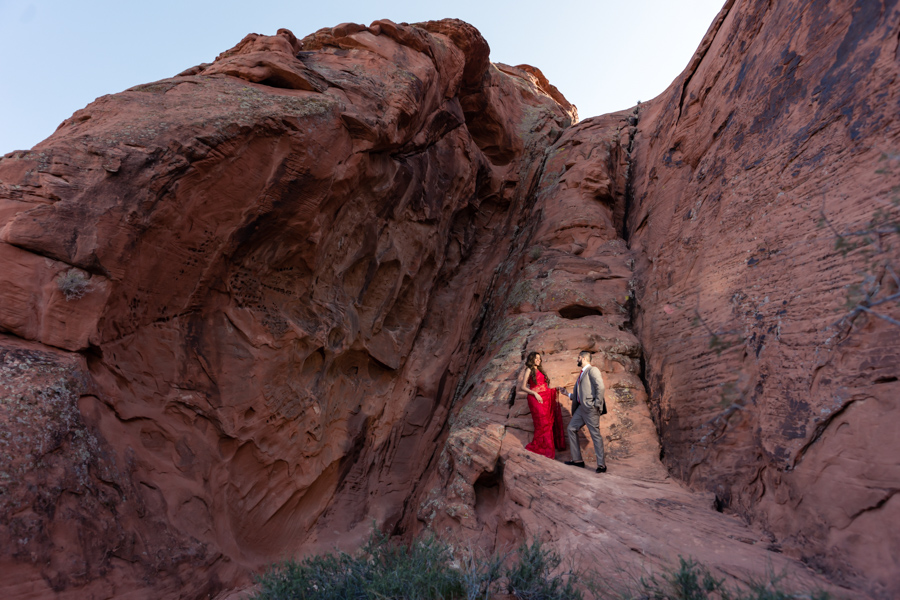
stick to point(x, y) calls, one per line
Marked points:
point(56, 56)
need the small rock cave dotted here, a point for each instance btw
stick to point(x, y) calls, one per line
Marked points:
point(578, 311)
point(489, 492)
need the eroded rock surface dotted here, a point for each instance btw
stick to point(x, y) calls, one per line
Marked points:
point(282, 255)
point(760, 199)
point(567, 286)
point(298, 284)
point(765, 226)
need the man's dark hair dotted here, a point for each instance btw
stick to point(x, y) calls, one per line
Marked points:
point(586, 353)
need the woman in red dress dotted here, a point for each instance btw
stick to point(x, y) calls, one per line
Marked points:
point(542, 402)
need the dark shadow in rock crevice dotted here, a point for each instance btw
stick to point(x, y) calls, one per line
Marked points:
point(489, 492)
point(578, 311)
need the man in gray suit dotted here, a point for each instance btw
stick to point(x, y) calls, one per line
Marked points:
point(588, 393)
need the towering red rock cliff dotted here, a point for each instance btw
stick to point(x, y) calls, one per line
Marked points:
point(766, 224)
point(253, 308)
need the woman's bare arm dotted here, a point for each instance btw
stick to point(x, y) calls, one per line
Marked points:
point(523, 385)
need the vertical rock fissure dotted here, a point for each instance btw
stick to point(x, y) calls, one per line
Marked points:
point(633, 307)
point(629, 172)
point(513, 232)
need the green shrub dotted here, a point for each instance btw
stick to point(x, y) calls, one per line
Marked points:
point(381, 570)
point(427, 570)
point(480, 573)
point(691, 580)
point(424, 570)
point(534, 576)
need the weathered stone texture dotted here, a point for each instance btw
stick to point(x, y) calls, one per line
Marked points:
point(302, 281)
point(765, 222)
point(285, 253)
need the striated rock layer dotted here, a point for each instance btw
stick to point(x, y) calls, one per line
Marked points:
point(253, 309)
point(765, 220)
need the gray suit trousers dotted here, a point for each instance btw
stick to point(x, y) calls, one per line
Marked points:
point(590, 416)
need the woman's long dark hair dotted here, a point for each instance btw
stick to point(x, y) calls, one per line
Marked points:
point(529, 363)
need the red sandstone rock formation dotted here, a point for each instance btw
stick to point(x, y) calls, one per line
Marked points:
point(283, 255)
point(760, 194)
point(302, 280)
point(568, 286)
point(765, 223)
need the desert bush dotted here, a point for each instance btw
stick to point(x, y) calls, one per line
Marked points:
point(691, 580)
point(427, 569)
point(382, 569)
point(73, 284)
point(535, 575)
point(481, 572)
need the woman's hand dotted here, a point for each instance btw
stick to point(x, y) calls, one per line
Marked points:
point(531, 392)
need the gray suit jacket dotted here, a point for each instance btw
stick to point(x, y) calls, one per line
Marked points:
point(590, 389)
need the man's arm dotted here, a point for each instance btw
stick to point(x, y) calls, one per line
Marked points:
point(597, 387)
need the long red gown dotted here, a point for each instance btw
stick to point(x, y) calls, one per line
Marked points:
point(545, 415)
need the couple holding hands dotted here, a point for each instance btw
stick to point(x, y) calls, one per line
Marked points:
point(587, 407)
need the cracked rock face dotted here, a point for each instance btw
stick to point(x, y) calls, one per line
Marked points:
point(253, 309)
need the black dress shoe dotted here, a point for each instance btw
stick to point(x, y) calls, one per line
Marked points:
point(575, 463)
point(601, 469)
